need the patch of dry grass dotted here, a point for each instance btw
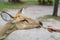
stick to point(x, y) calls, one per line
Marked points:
point(44, 18)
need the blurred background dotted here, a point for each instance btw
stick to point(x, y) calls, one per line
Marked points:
point(49, 9)
point(11, 4)
point(17, 4)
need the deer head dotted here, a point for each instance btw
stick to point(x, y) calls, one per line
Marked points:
point(18, 22)
point(21, 22)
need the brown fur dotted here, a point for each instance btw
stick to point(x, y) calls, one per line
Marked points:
point(19, 22)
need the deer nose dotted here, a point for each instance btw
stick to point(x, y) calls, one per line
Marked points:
point(41, 23)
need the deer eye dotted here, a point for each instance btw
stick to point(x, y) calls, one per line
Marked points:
point(7, 17)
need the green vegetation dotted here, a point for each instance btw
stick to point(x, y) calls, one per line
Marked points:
point(34, 0)
point(44, 18)
point(7, 5)
point(4, 5)
point(30, 0)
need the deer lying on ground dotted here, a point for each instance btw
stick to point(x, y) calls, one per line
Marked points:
point(17, 22)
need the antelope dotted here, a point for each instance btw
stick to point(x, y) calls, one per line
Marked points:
point(17, 22)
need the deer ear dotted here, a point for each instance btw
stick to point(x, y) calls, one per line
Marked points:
point(21, 10)
point(5, 16)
